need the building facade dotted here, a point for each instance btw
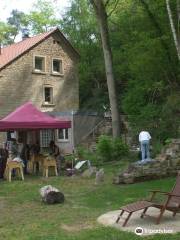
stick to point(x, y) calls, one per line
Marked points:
point(41, 69)
point(43, 72)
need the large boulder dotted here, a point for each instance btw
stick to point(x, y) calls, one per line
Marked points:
point(165, 164)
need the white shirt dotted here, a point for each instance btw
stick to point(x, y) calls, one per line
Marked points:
point(144, 136)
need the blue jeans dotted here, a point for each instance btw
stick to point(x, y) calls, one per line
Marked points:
point(145, 150)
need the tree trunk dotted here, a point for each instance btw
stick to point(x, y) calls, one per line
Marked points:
point(178, 22)
point(101, 15)
point(173, 30)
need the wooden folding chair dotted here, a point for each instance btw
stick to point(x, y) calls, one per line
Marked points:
point(49, 162)
point(13, 165)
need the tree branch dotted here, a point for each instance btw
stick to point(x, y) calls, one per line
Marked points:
point(114, 8)
point(106, 3)
point(94, 5)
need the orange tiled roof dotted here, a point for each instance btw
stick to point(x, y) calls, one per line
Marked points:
point(11, 52)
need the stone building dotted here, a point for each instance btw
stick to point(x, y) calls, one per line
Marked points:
point(41, 69)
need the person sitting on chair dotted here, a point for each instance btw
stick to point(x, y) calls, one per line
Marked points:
point(54, 151)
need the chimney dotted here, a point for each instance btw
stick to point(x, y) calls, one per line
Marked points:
point(25, 33)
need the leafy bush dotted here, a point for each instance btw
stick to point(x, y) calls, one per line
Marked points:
point(105, 148)
point(156, 148)
point(83, 153)
point(109, 149)
point(120, 149)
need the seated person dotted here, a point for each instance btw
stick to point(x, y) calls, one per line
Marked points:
point(13, 149)
point(54, 151)
point(34, 148)
point(14, 154)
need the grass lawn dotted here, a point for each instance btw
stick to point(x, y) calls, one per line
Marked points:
point(24, 217)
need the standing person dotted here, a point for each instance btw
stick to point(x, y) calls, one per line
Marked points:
point(144, 139)
point(24, 155)
point(3, 159)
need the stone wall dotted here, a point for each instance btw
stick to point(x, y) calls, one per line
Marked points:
point(19, 83)
point(165, 164)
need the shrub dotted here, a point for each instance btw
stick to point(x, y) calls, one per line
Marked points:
point(105, 148)
point(120, 149)
point(83, 153)
point(109, 149)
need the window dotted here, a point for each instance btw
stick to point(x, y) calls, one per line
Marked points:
point(39, 64)
point(57, 67)
point(63, 134)
point(48, 95)
point(46, 136)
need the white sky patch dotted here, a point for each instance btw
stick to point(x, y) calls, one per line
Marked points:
point(6, 6)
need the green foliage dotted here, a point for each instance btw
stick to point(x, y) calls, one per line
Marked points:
point(168, 141)
point(6, 31)
point(145, 63)
point(18, 21)
point(109, 149)
point(42, 18)
point(148, 67)
point(83, 153)
point(120, 149)
point(156, 148)
point(105, 148)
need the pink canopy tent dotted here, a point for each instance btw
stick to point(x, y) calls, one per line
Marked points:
point(28, 116)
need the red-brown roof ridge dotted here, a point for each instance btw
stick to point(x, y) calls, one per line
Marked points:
point(15, 50)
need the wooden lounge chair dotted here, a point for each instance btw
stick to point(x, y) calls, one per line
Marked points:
point(171, 203)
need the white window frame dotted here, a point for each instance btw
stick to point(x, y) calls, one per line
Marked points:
point(54, 72)
point(52, 97)
point(46, 135)
point(37, 70)
point(64, 139)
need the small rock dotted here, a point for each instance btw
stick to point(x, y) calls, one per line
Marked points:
point(99, 176)
point(89, 172)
